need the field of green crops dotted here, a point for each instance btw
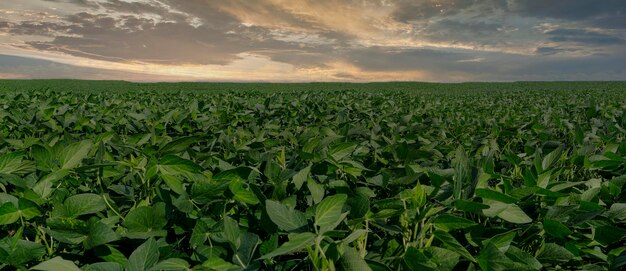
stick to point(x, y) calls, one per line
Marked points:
point(385, 176)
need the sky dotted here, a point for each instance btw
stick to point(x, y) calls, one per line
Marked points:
point(314, 40)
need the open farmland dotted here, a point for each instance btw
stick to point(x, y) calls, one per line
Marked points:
point(107, 175)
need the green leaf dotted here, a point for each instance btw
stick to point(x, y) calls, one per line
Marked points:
point(470, 206)
point(28, 209)
point(556, 228)
point(73, 154)
point(8, 213)
point(83, 204)
point(523, 257)
point(316, 189)
point(18, 252)
point(451, 243)
point(144, 257)
point(352, 261)
point(551, 252)
point(285, 218)
point(146, 221)
point(99, 234)
point(550, 159)
point(174, 183)
point(494, 195)
point(492, 259)
point(448, 222)
point(104, 266)
point(617, 212)
point(342, 150)
point(445, 259)
point(178, 145)
point(11, 162)
point(110, 254)
point(462, 171)
point(243, 194)
point(328, 212)
point(231, 231)
point(607, 235)
point(297, 241)
point(508, 212)
point(171, 264)
point(354, 235)
point(502, 241)
point(417, 261)
point(174, 165)
point(56, 264)
point(301, 177)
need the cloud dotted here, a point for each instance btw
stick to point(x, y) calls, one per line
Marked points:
point(14, 67)
point(360, 40)
point(567, 9)
point(583, 36)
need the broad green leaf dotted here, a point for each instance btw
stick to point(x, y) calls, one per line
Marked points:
point(174, 183)
point(247, 246)
point(179, 145)
point(56, 264)
point(144, 257)
point(607, 235)
point(502, 241)
point(297, 241)
point(617, 212)
point(494, 195)
point(448, 222)
point(99, 234)
point(417, 261)
point(146, 221)
point(231, 231)
point(551, 252)
point(470, 206)
point(445, 259)
point(83, 204)
point(171, 264)
point(8, 213)
point(351, 260)
point(492, 259)
point(177, 166)
point(216, 263)
point(550, 159)
point(451, 243)
point(556, 228)
point(354, 236)
point(28, 209)
point(242, 193)
point(11, 162)
point(72, 155)
point(14, 251)
point(328, 212)
point(316, 189)
point(110, 254)
point(509, 212)
point(523, 257)
point(301, 177)
point(104, 266)
point(285, 218)
point(342, 150)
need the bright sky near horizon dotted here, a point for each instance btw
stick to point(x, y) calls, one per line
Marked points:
point(314, 40)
